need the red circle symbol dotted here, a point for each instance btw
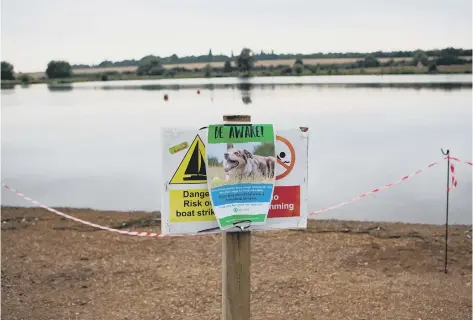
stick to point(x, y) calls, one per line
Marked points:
point(286, 166)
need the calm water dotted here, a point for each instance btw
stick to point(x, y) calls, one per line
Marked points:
point(97, 144)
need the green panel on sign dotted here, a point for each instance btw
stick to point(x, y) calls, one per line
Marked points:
point(227, 221)
point(241, 133)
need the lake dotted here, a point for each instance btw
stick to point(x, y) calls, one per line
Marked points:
point(98, 144)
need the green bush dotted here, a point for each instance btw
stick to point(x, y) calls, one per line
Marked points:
point(24, 78)
point(286, 71)
point(298, 68)
point(170, 73)
point(432, 68)
point(208, 71)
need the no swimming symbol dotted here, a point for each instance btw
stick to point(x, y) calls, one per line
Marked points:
point(287, 161)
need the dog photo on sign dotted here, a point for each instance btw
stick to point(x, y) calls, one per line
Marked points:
point(241, 162)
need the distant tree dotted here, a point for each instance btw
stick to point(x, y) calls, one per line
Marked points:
point(286, 70)
point(370, 62)
point(446, 59)
point(174, 58)
point(24, 78)
point(432, 68)
point(211, 57)
point(208, 71)
point(105, 63)
point(298, 66)
point(7, 71)
point(450, 52)
point(420, 57)
point(245, 61)
point(147, 59)
point(150, 67)
point(227, 66)
point(58, 69)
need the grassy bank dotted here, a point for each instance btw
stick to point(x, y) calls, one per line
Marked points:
point(309, 70)
point(54, 268)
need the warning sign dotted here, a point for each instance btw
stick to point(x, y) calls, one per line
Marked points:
point(192, 167)
point(190, 206)
point(186, 207)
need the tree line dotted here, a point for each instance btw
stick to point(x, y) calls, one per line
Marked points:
point(244, 63)
point(261, 56)
point(55, 70)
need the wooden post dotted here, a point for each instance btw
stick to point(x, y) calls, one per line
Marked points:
point(236, 261)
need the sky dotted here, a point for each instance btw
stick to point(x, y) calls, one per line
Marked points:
point(33, 32)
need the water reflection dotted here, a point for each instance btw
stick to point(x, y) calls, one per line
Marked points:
point(246, 86)
point(60, 87)
point(7, 86)
point(245, 90)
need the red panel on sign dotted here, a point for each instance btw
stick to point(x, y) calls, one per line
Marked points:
point(286, 202)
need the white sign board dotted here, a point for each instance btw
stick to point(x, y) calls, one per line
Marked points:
point(186, 206)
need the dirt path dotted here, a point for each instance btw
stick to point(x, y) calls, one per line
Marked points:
point(56, 269)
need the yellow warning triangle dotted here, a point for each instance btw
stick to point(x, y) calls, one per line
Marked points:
point(192, 167)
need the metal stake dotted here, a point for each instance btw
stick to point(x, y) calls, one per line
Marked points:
point(446, 214)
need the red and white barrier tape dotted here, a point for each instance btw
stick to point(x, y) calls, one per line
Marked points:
point(454, 180)
point(459, 160)
point(124, 232)
point(159, 235)
point(364, 195)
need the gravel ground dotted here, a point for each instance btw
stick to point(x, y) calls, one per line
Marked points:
point(57, 269)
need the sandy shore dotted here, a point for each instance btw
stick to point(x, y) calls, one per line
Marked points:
point(54, 268)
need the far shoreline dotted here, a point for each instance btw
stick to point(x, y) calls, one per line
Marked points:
point(105, 77)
